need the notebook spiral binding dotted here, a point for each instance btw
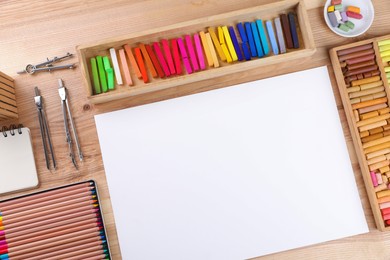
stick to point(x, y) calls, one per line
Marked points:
point(11, 129)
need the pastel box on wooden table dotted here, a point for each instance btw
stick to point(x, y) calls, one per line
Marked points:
point(362, 72)
point(8, 108)
point(139, 58)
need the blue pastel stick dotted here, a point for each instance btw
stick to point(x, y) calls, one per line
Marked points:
point(272, 38)
point(256, 36)
point(244, 39)
point(235, 43)
point(263, 37)
point(250, 39)
point(293, 29)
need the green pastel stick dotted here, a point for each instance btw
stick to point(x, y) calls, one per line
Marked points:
point(95, 74)
point(109, 71)
point(338, 7)
point(102, 73)
point(344, 27)
point(350, 24)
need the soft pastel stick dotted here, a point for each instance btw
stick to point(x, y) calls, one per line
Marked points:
point(279, 34)
point(256, 37)
point(191, 51)
point(337, 14)
point(354, 15)
point(102, 73)
point(217, 45)
point(336, 2)
point(206, 48)
point(244, 44)
point(125, 67)
point(235, 43)
point(251, 40)
point(384, 42)
point(115, 63)
point(161, 59)
point(168, 56)
point(338, 7)
point(95, 74)
point(223, 45)
point(229, 43)
point(155, 62)
point(199, 51)
point(148, 61)
point(272, 38)
point(141, 64)
point(344, 17)
point(354, 9)
point(287, 31)
point(176, 56)
point(184, 56)
point(373, 178)
point(293, 28)
point(132, 60)
point(263, 37)
point(109, 73)
point(331, 8)
point(212, 50)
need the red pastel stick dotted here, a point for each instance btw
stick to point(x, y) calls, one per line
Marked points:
point(141, 64)
point(191, 51)
point(154, 60)
point(161, 59)
point(385, 211)
point(176, 56)
point(354, 15)
point(168, 56)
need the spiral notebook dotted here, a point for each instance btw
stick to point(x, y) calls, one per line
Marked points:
point(17, 163)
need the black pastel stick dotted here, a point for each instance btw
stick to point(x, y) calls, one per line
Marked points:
point(286, 31)
point(293, 29)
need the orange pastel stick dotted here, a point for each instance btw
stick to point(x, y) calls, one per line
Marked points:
point(148, 61)
point(132, 60)
point(154, 59)
point(141, 64)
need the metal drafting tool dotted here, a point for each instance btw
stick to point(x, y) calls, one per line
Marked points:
point(48, 65)
point(68, 118)
point(46, 140)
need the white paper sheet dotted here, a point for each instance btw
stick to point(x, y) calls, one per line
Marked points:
point(233, 173)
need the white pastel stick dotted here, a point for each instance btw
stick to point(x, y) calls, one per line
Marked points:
point(279, 33)
point(338, 16)
point(115, 64)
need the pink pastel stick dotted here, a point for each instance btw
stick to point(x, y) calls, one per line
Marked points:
point(386, 217)
point(384, 205)
point(125, 67)
point(373, 178)
point(354, 15)
point(191, 50)
point(199, 51)
point(184, 56)
point(161, 59)
point(168, 56)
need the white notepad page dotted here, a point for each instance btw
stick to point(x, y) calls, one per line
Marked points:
point(233, 173)
point(17, 163)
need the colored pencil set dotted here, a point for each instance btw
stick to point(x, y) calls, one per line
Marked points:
point(193, 53)
point(61, 223)
point(367, 93)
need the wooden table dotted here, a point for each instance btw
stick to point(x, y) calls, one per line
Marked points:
point(32, 31)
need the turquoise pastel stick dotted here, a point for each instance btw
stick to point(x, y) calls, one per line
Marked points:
point(263, 37)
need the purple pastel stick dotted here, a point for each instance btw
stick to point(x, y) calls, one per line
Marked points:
point(344, 17)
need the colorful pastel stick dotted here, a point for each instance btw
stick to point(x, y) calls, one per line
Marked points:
point(109, 73)
point(229, 43)
point(168, 56)
point(199, 51)
point(191, 51)
point(155, 62)
point(184, 56)
point(293, 28)
point(125, 67)
point(235, 43)
point(279, 34)
point(244, 44)
point(217, 45)
point(161, 59)
point(263, 37)
point(286, 31)
point(354, 15)
point(102, 73)
point(206, 48)
point(251, 40)
point(141, 64)
point(95, 74)
point(212, 50)
point(272, 38)
point(148, 61)
point(115, 64)
point(256, 37)
point(176, 56)
point(223, 45)
point(132, 60)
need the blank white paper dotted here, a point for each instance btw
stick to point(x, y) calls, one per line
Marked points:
point(233, 173)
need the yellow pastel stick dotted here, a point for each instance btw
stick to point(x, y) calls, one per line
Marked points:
point(385, 42)
point(206, 48)
point(229, 43)
point(212, 50)
point(386, 59)
point(385, 53)
point(223, 45)
point(217, 45)
point(384, 48)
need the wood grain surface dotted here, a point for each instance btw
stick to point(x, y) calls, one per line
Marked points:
point(32, 31)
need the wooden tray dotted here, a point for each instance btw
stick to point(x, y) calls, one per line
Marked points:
point(8, 108)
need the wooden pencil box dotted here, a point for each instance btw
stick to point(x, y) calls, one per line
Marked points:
point(264, 12)
point(364, 89)
point(8, 108)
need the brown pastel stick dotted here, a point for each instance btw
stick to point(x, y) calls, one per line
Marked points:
point(354, 49)
point(353, 89)
point(384, 111)
point(355, 101)
point(360, 59)
point(384, 169)
point(364, 134)
point(361, 65)
point(377, 142)
point(359, 76)
point(377, 153)
point(361, 70)
point(373, 96)
point(356, 54)
point(365, 81)
point(380, 187)
point(384, 199)
point(376, 159)
point(383, 194)
point(371, 74)
point(371, 138)
point(386, 132)
point(376, 148)
point(286, 31)
point(369, 103)
point(366, 92)
point(378, 165)
point(369, 115)
point(373, 125)
point(371, 85)
point(376, 130)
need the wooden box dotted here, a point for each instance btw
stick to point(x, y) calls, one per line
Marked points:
point(8, 108)
point(264, 12)
point(369, 123)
